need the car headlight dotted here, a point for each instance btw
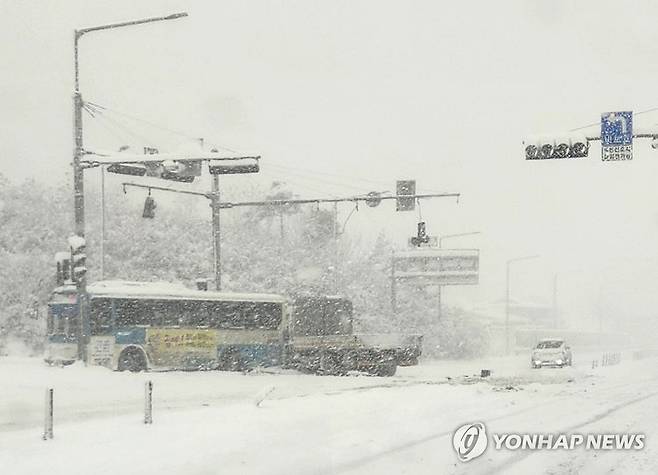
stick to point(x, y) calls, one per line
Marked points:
point(558, 361)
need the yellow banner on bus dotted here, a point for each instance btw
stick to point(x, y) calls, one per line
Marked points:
point(166, 345)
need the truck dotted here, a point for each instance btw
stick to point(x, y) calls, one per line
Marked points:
point(321, 340)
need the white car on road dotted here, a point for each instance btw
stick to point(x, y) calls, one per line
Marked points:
point(551, 352)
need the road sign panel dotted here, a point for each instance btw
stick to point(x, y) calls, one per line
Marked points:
point(617, 136)
point(440, 266)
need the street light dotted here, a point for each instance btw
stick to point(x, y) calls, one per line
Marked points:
point(78, 169)
point(509, 261)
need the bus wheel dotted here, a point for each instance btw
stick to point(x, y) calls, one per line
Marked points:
point(132, 359)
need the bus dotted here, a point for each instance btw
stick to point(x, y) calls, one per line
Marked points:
point(139, 326)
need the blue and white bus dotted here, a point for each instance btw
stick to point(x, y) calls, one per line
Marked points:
point(139, 326)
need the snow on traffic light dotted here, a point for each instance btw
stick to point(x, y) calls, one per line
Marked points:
point(561, 147)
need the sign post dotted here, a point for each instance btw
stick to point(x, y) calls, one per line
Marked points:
point(617, 136)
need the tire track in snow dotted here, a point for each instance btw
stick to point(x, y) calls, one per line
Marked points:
point(597, 417)
point(351, 465)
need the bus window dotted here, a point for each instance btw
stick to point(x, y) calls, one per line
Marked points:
point(101, 316)
point(270, 315)
point(161, 313)
point(266, 315)
point(200, 315)
point(261, 315)
point(130, 312)
point(224, 315)
point(193, 313)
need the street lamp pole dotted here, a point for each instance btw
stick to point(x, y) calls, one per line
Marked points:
point(507, 296)
point(78, 169)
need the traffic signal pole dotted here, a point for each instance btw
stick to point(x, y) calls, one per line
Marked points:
point(79, 199)
point(217, 205)
point(78, 167)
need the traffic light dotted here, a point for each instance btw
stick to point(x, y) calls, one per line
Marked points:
point(176, 170)
point(149, 208)
point(562, 147)
point(78, 247)
point(234, 166)
point(134, 169)
point(63, 262)
point(182, 171)
point(421, 237)
point(405, 187)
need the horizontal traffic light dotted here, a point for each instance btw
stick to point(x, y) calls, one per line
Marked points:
point(134, 169)
point(233, 166)
point(175, 170)
point(562, 147)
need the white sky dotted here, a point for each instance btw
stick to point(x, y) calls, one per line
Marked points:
point(374, 91)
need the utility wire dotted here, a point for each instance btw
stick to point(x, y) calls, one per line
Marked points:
point(320, 180)
point(144, 121)
point(111, 129)
point(315, 172)
point(286, 179)
point(98, 112)
point(158, 126)
point(310, 172)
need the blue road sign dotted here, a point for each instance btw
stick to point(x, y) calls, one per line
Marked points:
point(617, 135)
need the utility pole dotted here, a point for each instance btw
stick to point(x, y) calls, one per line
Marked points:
point(394, 303)
point(555, 312)
point(335, 247)
point(79, 205)
point(215, 205)
point(102, 222)
point(78, 169)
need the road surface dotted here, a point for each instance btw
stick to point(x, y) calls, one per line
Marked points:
point(209, 422)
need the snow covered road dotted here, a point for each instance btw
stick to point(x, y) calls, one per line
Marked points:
point(208, 422)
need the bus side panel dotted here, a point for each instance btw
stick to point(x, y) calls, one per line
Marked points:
point(101, 351)
point(251, 347)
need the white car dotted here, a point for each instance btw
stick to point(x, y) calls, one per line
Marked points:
point(551, 352)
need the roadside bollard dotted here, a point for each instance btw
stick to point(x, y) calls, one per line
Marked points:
point(48, 420)
point(148, 403)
